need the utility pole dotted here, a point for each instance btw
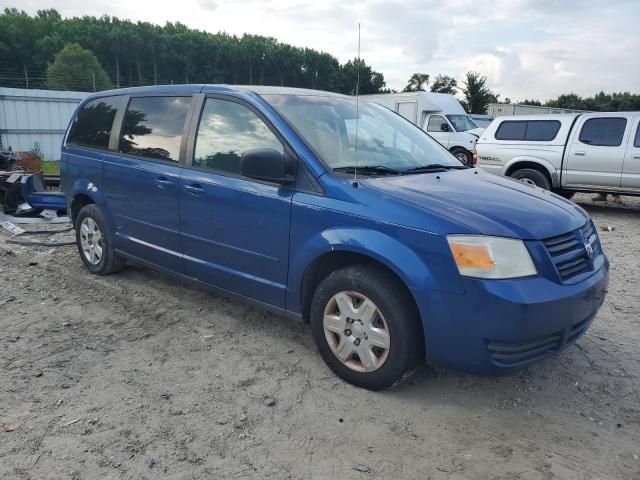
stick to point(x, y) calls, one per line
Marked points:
point(26, 76)
point(93, 78)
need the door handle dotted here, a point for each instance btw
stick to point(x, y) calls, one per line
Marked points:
point(163, 182)
point(580, 154)
point(195, 189)
point(636, 156)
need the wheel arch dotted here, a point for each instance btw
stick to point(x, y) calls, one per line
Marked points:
point(535, 163)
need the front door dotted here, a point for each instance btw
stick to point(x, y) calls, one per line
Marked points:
point(631, 167)
point(142, 179)
point(438, 128)
point(235, 231)
point(596, 154)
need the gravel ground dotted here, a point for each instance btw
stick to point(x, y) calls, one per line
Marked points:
point(137, 376)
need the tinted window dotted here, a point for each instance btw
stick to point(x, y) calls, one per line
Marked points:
point(529, 130)
point(435, 123)
point(542, 130)
point(604, 132)
point(153, 127)
point(93, 124)
point(637, 142)
point(227, 130)
point(511, 130)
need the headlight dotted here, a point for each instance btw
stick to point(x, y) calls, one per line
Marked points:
point(491, 257)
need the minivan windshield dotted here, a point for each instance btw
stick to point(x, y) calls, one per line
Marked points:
point(387, 143)
point(462, 123)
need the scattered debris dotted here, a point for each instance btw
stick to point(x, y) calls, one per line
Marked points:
point(49, 214)
point(362, 468)
point(67, 424)
point(607, 228)
point(269, 402)
point(12, 228)
point(151, 462)
point(7, 427)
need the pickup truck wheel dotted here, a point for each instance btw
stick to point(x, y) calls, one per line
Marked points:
point(463, 155)
point(95, 242)
point(365, 326)
point(532, 177)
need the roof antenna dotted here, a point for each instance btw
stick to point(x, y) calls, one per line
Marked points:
point(355, 169)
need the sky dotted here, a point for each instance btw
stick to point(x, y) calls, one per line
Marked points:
point(526, 48)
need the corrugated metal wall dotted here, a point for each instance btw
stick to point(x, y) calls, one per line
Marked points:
point(30, 116)
point(502, 109)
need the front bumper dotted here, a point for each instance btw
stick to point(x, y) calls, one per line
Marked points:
point(498, 326)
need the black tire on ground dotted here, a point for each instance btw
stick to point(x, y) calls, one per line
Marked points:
point(532, 176)
point(110, 262)
point(406, 341)
point(463, 155)
point(568, 194)
point(13, 196)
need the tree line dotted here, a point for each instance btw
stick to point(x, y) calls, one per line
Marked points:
point(141, 53)
point(89, 53)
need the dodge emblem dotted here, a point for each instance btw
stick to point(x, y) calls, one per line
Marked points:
point(588, 249)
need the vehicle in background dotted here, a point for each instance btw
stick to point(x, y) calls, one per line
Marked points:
point(252, 192)
point(483, 121)
point(440, 115)
point(589, 152)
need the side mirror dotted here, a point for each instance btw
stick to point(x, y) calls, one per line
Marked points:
point(267, 165)
point(444, 127)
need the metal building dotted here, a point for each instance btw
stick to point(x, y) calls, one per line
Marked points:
point(28, 117)
point(506, 109)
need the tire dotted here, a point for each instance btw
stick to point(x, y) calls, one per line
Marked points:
point(95, 242)
point(395, 314)
point(13, 197)
point(568, 194)
point(532, 177)
point(463, 155)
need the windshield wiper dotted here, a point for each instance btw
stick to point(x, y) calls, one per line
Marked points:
point(434, 167)
point(369, 169)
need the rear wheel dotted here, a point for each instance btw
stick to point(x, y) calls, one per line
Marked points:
point(366, 327)
point(95, 242)
point(531, 176)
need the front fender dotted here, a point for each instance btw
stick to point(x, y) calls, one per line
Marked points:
point(414, 269)
point(548, 166)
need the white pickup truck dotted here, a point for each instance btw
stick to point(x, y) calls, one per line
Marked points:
point(589, 152)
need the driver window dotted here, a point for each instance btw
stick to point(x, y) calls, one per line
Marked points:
point(435, 122)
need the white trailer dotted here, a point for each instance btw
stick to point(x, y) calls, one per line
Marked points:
point(439, 114)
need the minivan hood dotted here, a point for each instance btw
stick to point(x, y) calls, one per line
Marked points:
point(485, 203)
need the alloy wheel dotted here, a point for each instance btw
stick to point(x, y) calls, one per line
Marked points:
point(91, 240)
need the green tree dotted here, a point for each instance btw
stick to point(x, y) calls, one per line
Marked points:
point(370, 81)
point(477, 95)
point(75, 68)
point(417, 83)
point(444, 84)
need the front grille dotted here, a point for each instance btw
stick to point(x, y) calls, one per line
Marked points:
point(513, 354)
point(568, 252)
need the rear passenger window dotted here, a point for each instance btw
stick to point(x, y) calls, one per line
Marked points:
point(603, 132)
point(529, 130)
point(637, 142)
point(227, 130)
point(153, 127)
point(92, 127)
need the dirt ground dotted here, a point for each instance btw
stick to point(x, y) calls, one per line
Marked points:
point(137, 376)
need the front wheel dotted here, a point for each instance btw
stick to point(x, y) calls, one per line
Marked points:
point(366, 327)
point(465, 156)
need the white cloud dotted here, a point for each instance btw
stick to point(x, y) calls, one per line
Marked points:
point(526, 48)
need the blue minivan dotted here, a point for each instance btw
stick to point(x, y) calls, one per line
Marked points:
point(340, 214)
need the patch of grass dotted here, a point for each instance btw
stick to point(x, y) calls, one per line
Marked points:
point(51, 168)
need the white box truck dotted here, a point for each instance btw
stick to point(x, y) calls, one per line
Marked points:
point(439, 114)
